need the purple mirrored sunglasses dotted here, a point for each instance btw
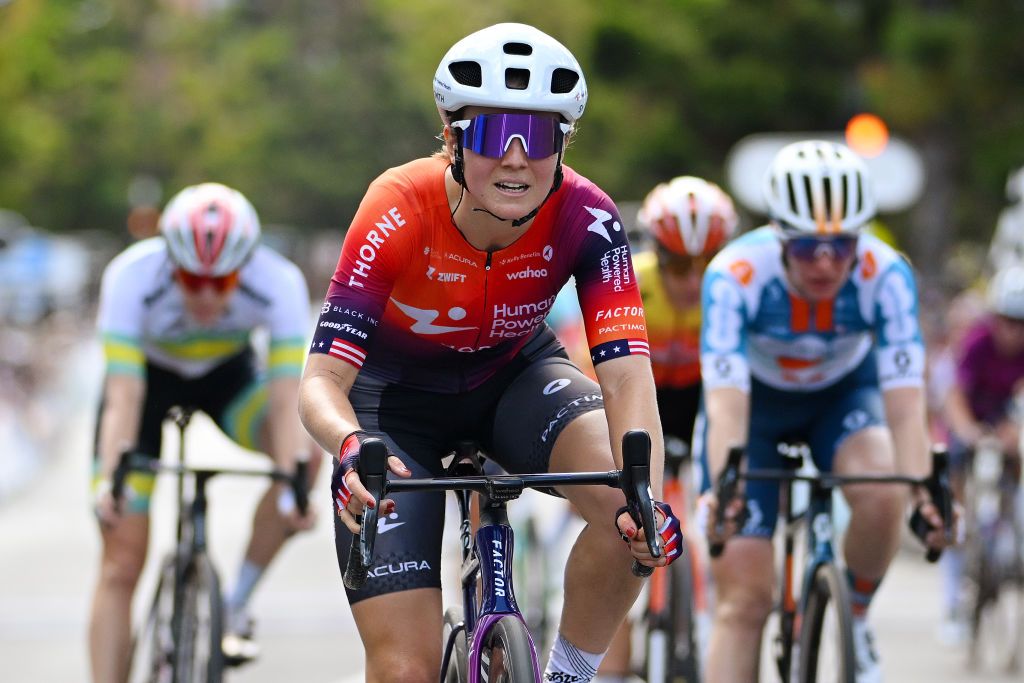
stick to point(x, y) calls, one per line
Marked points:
point(490, 135)
point(812, 248)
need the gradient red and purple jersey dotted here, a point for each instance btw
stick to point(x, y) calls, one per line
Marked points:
point(413, 303)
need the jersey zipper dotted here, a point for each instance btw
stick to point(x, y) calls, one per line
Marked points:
point(487, 278)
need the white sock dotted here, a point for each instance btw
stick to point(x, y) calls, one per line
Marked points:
point(952, 565)
point(569, 664)
point(248, 576)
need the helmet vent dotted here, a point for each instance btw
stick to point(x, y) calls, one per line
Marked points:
point(518, 49)
point(563, 80)
point(517, 79)
point(467, 73)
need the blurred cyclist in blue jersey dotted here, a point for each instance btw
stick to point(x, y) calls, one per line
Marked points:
point(810, 330)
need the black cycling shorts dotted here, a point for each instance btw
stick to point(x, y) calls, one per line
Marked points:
point(515, 417)
point(233, 394)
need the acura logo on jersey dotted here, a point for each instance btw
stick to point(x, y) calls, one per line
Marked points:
point(598, 226)
point(556, 385)
point(424, 318)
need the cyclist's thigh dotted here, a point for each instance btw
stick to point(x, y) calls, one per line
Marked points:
point(535, 409)
point(850, 434)
point(163, 390)
point(744, 575)
point(124, 547)
point(234, 394)
point(401, 634)
point(407, 554)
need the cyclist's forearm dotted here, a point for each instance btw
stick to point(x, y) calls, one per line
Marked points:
point(287, 437)
point(905, 413)
point(119, 421)
point(324, 407)
point(630, 402)
point(960, 417)
point(727, 411)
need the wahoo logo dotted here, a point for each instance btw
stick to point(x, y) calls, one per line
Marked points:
point(598, 226)
point(527, 273)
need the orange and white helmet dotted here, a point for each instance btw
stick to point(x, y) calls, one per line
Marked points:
point(689, 216)
point(819, 187)
point(210, 229)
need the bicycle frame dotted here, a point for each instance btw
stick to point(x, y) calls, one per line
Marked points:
point(191, 530)
point(818, 519)
point(491, 573)
point(488, 554)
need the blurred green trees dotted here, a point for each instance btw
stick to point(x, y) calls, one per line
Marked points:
point(300, 103)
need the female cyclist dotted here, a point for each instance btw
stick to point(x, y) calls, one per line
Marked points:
point(433, 331)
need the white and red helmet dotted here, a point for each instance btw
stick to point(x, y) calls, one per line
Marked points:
point(210, 229)
point(510, 66)
point(689, 216)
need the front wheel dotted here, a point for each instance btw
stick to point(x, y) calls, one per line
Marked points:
point(455, 644)
point(826, 632)
point(671, 639)
point(200, 658)
point(507, 654)
point(153, 648)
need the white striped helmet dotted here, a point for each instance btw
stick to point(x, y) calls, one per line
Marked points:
point(210, 229)
point(819, 187)
point(689, 216)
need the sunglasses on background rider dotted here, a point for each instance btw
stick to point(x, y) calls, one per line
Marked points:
point(811, 248)
point(196, 283)
point(490, 135)
point(681, 265)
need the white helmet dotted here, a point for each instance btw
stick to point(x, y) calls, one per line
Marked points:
point(819, 187)
point(210, 229)
point(1006, 292)
point(511, 66)
point(689, 216)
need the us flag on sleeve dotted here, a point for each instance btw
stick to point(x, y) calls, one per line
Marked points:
point(619, 348)
point(347, 352)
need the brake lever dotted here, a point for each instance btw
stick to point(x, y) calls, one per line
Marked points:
point(635, 482)
point(373, 458)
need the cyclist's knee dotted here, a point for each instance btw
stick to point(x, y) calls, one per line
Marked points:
point(121, 571)
point(744, 605)
point(877, 500)
point(398, 667)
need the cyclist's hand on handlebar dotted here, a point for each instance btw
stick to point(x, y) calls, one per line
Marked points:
point(350, 496)
point(735, 516)
point(106, 508)
point(669, 529)
point(935, 537)
point(289, 510)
